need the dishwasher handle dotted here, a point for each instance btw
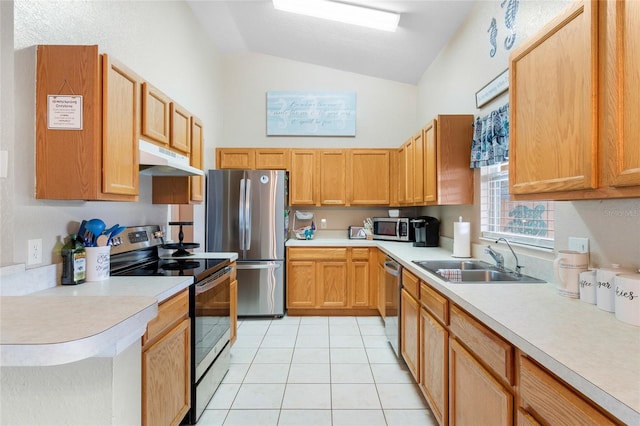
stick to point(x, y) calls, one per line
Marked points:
point(392, 268)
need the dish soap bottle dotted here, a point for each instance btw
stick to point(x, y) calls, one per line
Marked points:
point(74, 263)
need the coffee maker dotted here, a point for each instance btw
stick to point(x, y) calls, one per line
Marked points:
point(427, 231)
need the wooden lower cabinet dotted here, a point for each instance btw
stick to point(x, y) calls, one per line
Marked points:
point(434, 365)
point(475, 396)
point(546, 400)
point(409, 332)
point(331, 278)
point(166, 363)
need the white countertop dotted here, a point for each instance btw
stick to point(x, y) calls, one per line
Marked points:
point(585, 346)
point(64, 324)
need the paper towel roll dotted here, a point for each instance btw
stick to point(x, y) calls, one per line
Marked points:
point(461, 239)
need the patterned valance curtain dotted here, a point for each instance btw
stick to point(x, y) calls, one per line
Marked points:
point(491, 138)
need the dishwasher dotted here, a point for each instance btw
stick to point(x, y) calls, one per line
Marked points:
point(392, 286)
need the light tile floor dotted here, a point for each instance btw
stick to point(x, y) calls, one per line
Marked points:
point(308, 371)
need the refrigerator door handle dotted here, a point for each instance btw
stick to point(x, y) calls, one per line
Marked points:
point(241, 210)
point(247, 218)
point(259, 265)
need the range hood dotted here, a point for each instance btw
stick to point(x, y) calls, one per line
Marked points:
point(158, 161)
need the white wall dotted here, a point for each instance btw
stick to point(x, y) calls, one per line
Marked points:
point(449, 85)
point(385, 110)
point(159, 40)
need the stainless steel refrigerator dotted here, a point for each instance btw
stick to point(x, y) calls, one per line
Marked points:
point(245, 214)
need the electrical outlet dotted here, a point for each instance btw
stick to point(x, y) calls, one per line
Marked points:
point(34, 252)
point(579, 244)
point(323, 223)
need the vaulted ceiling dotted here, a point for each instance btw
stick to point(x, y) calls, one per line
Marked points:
point(255, 26)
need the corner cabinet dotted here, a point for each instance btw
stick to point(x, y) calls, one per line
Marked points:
point(368, 177)
point(584, 119)
point(166, 363)
point(88, 149)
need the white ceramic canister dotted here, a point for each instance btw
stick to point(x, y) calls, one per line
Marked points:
point(567, 268)
point(606, 289)
point(627, 298)
point(588, 286)
point(98, 263)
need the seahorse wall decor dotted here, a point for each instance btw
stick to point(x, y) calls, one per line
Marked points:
point(527, 221)
point(510, 21)
point(493, 34)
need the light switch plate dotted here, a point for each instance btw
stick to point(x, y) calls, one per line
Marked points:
point(579, 244)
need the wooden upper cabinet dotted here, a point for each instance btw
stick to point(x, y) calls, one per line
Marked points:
point(271, 159)
point(575, 136)
point(98, 160)
point(368, 176)
point(401, 160)
point(553, 126)
point(430, 173)
point(180, 129)
point(332, 171)
point(454, 178)
point(197, 160)
point(235, 158)
point(418, 168)
point(303, 180)
point(620, 76)
point(156, 113)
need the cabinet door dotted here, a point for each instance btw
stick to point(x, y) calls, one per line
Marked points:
point(197, 160)
point(368, 177)
point(180, 128)
point(409, 169)
point(553, 126)
point(475, 397)
point(409, 334)
point(360, 284)
point(418, 168)
point(622, 77)
point(121, 128)
point(166, 378)
point(301, 284)
point(235, 158)
point(401, 157)
point(156, 113)
point(434, 366)
point(333, 165)
point(272, 159)
point(303, 179)
point(382, 280)
point(430, 173)
point(331, 283)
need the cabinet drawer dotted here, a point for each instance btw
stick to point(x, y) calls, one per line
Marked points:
point(411, 283)
point(170, 312)
point(491, 350)
point(552, 402)
point(334, 253)
point(360, 253)
point(436, 304)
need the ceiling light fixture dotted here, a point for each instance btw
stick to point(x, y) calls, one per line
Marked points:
point(341, 12)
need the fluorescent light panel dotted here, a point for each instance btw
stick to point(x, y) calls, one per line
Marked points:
point(341, 12)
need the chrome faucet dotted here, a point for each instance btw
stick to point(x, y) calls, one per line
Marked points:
point(518, 267)
point(497, 257)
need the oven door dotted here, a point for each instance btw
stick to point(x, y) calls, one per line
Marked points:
point(211, 331)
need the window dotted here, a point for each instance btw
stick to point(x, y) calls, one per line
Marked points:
point(524, 222)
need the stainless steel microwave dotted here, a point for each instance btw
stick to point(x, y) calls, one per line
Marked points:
point(392, 229)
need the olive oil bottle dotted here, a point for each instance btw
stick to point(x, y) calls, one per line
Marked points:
point(74, 263)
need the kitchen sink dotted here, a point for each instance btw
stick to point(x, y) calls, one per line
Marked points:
point(434, 265)
point(473, 271)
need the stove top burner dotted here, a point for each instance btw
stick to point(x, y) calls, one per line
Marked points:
point(180, 265)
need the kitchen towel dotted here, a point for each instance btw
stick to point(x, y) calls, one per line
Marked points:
point(461, 239)
point(454, 275)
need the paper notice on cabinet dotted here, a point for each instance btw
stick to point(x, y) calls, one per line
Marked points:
point(64, 112)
